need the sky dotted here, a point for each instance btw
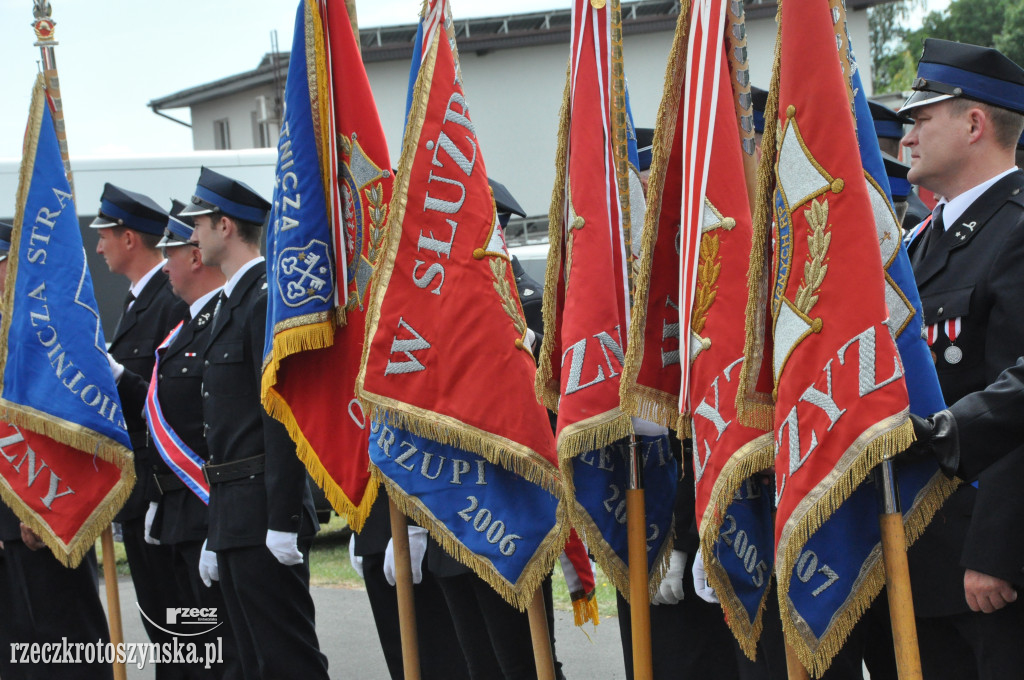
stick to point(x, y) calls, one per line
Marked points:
point(115, 56)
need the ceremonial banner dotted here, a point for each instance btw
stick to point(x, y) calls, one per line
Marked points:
point(446, 361)
point(841, 397)
point(331, 197)
point(66, 465)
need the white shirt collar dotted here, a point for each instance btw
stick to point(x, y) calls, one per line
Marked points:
point(141, 283)
point(229, 287)
point(198, 305)
point(956, 207)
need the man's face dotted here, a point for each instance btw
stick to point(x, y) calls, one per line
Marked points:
point(937, 144)
point(209, 237)
point(179, 266)
point(113, 249)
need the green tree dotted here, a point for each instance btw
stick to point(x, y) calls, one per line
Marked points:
point(895, 49)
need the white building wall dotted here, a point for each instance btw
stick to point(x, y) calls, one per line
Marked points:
point(514, 97)
point(237, 109)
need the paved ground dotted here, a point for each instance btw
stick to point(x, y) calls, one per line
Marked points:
point(347, 636)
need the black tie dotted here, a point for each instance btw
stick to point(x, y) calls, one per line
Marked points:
point(221, 299)
point(128, 300)
point(930, 240)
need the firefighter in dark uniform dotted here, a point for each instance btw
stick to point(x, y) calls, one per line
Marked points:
point(968, 111)
point(180, 521)
point(41, 600)
point(261, 517)
point(130, 226)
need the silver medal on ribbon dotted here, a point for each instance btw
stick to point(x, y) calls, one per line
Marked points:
point(953, 354)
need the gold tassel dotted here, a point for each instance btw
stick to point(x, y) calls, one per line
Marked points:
point(584, 608)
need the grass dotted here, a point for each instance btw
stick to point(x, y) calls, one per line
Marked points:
point(329, 566)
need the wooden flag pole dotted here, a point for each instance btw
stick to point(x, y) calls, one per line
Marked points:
point(403, 584)
point(639, 595)
point(44, 29)
point(795, 669)
point(113, 599)
point(897, 574)
point(541, 637)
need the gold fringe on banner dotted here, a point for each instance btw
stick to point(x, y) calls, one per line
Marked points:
point(65, 432)
point(518, 594)
point(547, 388)
point(616, 569)
point(354, 513)
point(756, 455)
point(637, 400)
point(878, 443)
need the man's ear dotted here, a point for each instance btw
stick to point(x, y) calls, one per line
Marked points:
point(196, 262)
point(979, 121)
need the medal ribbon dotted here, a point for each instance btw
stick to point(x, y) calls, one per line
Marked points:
point(182, 460)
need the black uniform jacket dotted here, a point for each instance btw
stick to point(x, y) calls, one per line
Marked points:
point(181, 517)
point(995, 416)
point(974, 272)
point(139, 332)
point(238, 427)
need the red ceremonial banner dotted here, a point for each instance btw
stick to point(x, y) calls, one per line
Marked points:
point(841, 399)
point(57, 485)
point(586, 298)
point(309, 382)
point(446, 356)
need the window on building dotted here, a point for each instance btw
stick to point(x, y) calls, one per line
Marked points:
point(260, 132)
point(221, 134)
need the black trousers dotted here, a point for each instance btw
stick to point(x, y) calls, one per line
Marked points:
point(155, 587)
point(434, 627)
point(494, 635)
point(272, 614)
point(44, 602)
point(194, 593)
point(973, 645)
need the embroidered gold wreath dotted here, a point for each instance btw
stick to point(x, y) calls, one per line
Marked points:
point(378, 214)
point(818, 242)
point(508, 303)
point(708, 270)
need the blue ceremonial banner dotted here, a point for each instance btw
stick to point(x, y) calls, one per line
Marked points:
point(600, 479)
point(841, 565)
point(745, 548)
point(63, 412)
point(488, 518)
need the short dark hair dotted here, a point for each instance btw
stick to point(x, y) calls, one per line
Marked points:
point(149, 241)
point(1007, 125)
point(249, 232)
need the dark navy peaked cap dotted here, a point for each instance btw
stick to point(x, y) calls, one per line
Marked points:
point(758, 100)
point(950, 69)
point(122, 208)
point(896, 171)
point(179, 229)
point(503, 199)
point(888, 123)
point(5, 240)
point(216, 193)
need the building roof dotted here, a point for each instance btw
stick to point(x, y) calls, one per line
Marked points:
point(480, 35)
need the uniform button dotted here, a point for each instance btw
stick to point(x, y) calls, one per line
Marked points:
point(206, 363)
point(135, 351)
point(184, 370)
point(295, 518)
point(161, 376)
point(225, 355)
point(206, 395)
point(940, 310)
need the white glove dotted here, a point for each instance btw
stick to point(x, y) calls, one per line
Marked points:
point(150, 515)
point(531, 338)
point(115, 368)
point(284, 546)
point(208, 570)
point(671, 589)
point(117, 531)
point(643, 427)
point(417, 549)
point(700, 580)
point(355, 560)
